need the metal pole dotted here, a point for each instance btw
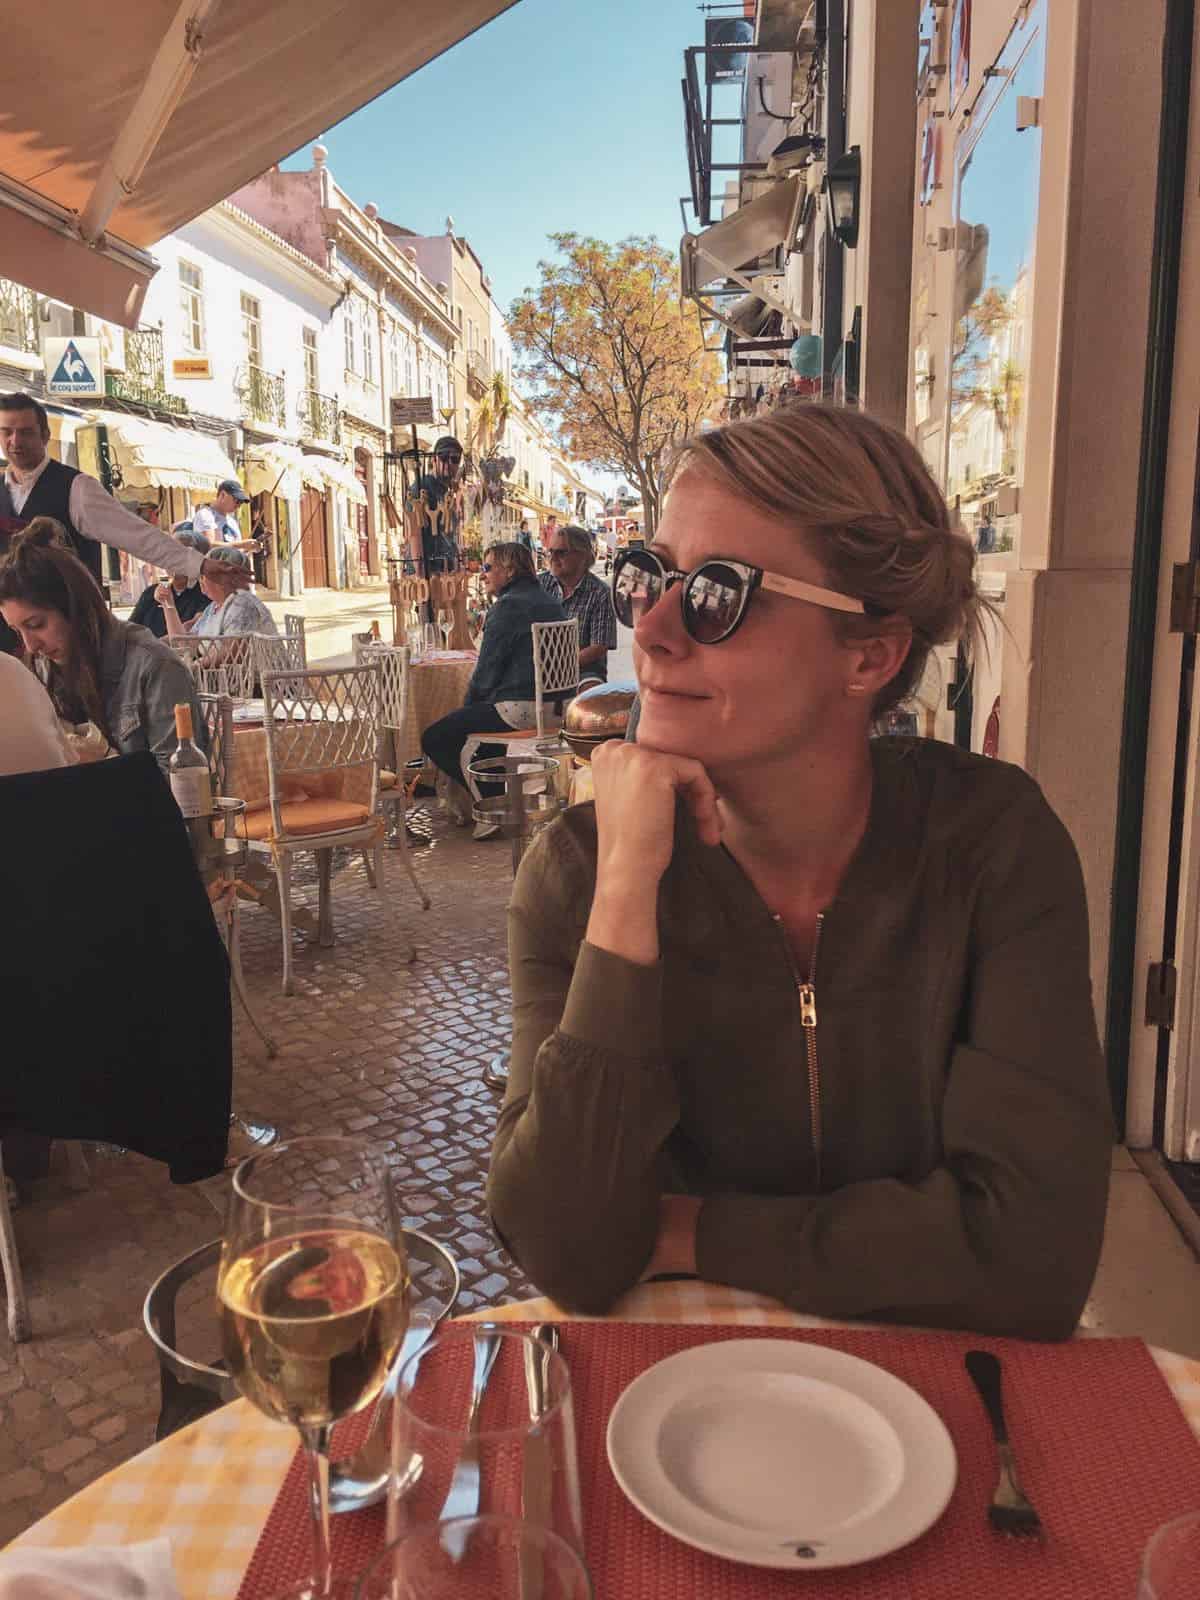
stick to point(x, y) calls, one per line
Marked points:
point(832, 276)
point(1147, 549)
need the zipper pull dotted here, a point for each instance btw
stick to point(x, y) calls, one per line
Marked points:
point(808, 1005)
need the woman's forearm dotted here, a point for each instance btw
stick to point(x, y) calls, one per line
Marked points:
point(624, 918)
point(175, 627)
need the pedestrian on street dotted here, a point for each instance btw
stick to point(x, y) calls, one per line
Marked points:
point(584, 596)
point(217, 521)
point(798, 1010)
point(35, 484)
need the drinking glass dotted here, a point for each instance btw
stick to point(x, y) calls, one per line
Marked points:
point(446, 624)
point(1171, 1565)
point(520, 1437)
point(312, 1294)
point(501, 1559)
point(416, 642)
point(430, 638)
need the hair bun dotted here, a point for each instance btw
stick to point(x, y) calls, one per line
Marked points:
point(41, 533)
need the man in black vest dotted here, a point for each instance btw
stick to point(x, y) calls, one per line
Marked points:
point(35, 485)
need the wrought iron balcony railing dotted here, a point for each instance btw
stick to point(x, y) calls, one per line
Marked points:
point(479, 370)
point(18, 317)
point(263, 395)
point(144, 379)
point(318, 416)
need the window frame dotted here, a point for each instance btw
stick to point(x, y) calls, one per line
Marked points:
point(191, 307)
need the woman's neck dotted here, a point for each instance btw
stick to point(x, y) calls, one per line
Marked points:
point(794, 828)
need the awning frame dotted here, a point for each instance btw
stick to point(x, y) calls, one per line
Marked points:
point(788, 199)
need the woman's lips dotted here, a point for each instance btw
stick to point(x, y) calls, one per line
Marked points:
point(671, 694)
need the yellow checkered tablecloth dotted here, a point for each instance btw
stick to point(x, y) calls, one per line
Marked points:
point(210, 1488)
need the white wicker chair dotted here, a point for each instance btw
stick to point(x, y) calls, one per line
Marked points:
point(221, 665)
point(322, 741)
point(294, 624)
point(273, 653)
point(217, 711)
point(392, 663)
point(555, 677)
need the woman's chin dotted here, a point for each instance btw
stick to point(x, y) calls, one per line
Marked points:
point(674, 730)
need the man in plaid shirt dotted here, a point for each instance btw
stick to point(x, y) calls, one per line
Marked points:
point(584, 596)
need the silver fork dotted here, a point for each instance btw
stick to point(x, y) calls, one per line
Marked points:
point(1010, 1511)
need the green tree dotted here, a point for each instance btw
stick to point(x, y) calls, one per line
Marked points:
point(616, 356)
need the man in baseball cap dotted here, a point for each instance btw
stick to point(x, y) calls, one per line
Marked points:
point(217, 521)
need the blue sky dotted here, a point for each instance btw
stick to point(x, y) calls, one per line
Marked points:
point(560, 114)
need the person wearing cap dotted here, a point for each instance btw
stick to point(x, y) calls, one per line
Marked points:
point(440, 507)
point(190, 599)
point(231, 609)
point(217, 521)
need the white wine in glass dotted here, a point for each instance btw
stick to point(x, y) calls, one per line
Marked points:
point(446, 624)
point(312, 1294)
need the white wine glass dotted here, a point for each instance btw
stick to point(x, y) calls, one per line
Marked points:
point(446, 624)
point(312, 1293)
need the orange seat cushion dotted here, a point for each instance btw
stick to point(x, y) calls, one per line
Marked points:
point(300, 817)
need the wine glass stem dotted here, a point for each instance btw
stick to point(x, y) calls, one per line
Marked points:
point(316, 1446)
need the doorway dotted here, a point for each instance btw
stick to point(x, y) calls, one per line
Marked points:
point(314, 539)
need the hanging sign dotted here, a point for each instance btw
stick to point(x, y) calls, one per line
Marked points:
point(407, 409)
point(73, 366)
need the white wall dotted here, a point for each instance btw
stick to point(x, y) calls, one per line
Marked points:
point(231, 264)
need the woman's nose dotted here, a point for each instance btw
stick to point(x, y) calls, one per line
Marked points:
point(660, 626)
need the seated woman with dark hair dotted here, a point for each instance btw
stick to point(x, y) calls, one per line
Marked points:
point(100, 670)
point(500, 696)
point(796, 1009)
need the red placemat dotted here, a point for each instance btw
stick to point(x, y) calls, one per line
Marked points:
point(1104, 1452)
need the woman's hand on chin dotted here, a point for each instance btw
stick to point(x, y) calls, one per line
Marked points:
point(636, 793)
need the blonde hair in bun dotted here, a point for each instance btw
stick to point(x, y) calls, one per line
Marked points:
point(860, 493)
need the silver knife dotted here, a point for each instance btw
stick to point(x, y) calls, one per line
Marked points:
point(463, 1497)
point(538, 1467)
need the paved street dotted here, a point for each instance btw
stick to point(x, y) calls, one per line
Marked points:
point(368, 1046)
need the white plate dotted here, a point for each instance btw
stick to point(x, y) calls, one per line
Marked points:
point(778, 1453)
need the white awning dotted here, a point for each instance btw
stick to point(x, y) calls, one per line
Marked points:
point(721, 252)
point(340, 477)
point(282, 469)
point(155, 455)
point(125, 120)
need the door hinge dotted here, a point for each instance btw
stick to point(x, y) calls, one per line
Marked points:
point(1160, 995)
point(1185, 597)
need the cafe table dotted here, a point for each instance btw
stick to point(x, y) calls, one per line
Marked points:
point(210, 1488)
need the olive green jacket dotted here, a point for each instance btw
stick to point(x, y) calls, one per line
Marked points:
point(929, 1143)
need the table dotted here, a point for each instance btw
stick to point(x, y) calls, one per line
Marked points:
point(211, 1486)
point(437, 685)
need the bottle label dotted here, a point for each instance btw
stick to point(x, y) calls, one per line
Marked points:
point(192, 789)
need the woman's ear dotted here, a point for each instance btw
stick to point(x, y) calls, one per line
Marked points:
point(874, 661)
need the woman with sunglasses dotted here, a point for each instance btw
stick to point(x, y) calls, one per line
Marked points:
point(795, 1009)
point(500, 695)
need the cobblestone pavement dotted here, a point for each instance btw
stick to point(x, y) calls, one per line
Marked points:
point(368, 1045)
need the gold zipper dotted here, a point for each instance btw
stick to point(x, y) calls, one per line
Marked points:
point(807, 993)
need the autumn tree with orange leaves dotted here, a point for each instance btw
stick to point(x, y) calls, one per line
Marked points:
point(616, 357)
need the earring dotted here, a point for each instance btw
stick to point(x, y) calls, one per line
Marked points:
point(856, 688)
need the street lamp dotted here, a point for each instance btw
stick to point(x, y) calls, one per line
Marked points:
point(843, 185)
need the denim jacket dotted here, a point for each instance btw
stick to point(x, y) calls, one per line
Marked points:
point(504, 670)
point(142, 682)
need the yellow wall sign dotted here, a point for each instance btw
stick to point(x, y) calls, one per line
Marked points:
point(191, 367)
